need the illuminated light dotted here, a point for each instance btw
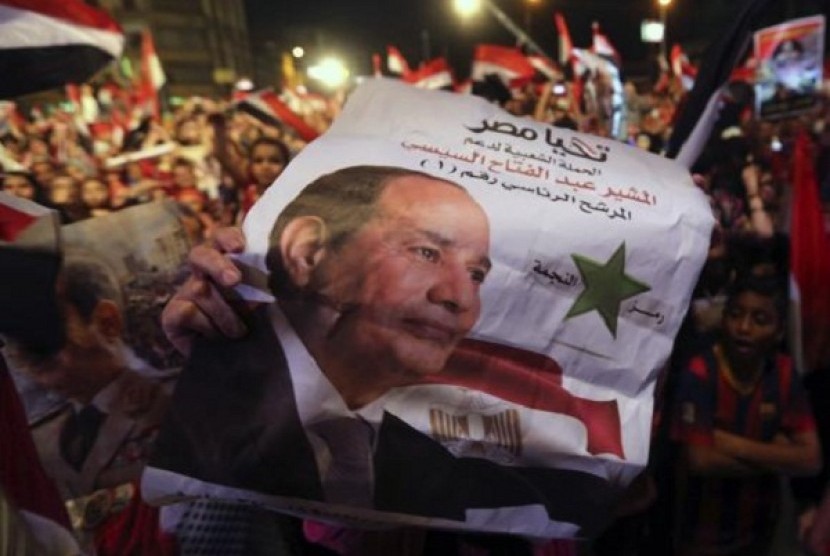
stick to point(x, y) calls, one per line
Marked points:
point(467, 8)
point(652, 31)
point(664, 3)
point(298, 52)
point(244, 84)
point(331, 72)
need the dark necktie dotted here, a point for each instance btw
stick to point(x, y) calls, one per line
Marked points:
point(79, 434)
point(348, 479)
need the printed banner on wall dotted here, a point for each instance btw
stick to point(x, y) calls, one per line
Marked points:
point(462, 315)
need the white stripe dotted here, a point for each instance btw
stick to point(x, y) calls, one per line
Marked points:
point(27, 29)
point(435, 81)
point(482, 69)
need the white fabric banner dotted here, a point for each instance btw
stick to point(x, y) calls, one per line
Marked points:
point(489, 298)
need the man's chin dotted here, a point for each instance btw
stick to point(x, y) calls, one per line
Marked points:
point(424, 363)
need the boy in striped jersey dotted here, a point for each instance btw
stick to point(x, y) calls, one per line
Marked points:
point(743, 421)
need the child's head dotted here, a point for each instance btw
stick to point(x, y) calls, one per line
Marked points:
point(754, 317)
point(95, 194)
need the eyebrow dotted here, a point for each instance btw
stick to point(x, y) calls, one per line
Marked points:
point(444, 241)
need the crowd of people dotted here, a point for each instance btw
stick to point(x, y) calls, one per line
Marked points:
point(733, 422)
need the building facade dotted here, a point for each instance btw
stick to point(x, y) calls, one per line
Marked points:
point(203, 45)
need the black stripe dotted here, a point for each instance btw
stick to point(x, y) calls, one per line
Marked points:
point(30, 70)
point(718, 62)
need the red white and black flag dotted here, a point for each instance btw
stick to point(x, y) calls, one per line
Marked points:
point(434, 74)
point(267, 106)
point(45, 44)
point(510, 64)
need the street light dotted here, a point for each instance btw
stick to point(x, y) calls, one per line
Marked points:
point(467, 8)
point(331, 72)
point(664, 6)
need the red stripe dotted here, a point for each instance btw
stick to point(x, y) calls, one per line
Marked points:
point(511, 59)
point(534, 381)
point(286, 115)
point(427, 70)
point(13, 222)
point(76, 12)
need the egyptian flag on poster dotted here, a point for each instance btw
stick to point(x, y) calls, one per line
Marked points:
point(45, 44)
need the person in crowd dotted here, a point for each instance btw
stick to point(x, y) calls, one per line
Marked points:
point(743, 421)
point(95, 197)
point(65, 196)
point(22, 184)
point(268, 157)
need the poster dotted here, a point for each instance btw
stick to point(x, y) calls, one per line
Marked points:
point(790, 61)
point(460, 324)
point(95, 401)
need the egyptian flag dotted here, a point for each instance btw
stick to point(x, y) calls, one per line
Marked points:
point(395, 61)
point(601, 46)
point(566, 45)
point(434, 74)
point(376, 65)
point(546, 67)
point(700, 113)
point(509, 64)
point(266, 106)
point(534, 381)
point(682, 68)
point(151, 70)
point(809, 260)
point(45, 44)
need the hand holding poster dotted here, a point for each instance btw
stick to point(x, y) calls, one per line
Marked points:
point(470, 310)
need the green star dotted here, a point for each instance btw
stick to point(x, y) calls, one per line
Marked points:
point(606, 287)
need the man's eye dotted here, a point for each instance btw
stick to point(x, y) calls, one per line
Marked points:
point(478, 275)
point(428, 253)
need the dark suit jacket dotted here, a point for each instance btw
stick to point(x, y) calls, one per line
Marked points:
point(234, 422)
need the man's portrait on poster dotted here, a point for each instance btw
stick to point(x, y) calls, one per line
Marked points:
point(377, 272)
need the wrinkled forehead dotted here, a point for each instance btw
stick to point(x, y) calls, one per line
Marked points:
point(441, 208)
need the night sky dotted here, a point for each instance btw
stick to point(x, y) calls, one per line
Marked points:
point(354, 29)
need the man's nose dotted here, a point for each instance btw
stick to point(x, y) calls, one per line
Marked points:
point(454, 289)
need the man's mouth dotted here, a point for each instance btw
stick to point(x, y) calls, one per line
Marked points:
point(431, 330)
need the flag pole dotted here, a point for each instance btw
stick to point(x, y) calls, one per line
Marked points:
point(517, 31)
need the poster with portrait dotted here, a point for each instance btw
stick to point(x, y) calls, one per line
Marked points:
point(95, 397)
point(790, 60)
point(145, 248)
point(459, 319)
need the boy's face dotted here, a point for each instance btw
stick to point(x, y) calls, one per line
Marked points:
point(752, 326)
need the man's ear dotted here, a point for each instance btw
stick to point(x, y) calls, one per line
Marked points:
point(302, 246)
point(108, 320)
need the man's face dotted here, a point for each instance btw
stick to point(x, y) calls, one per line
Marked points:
point(752, 326)
point(406, 284)
point(78, 369)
